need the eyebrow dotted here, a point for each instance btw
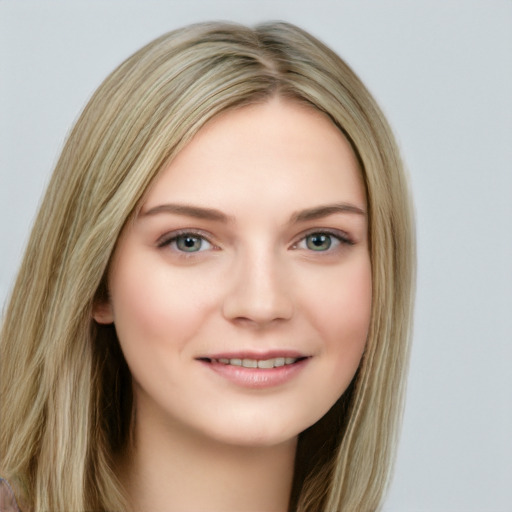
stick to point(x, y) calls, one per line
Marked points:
point(324, 211)
point(198, 212)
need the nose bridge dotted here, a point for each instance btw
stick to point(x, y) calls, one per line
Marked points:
point(258, 292)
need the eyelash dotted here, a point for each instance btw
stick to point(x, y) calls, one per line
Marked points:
point(341, 237)
point(172, 238)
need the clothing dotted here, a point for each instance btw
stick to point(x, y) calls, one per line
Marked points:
point(7, 499)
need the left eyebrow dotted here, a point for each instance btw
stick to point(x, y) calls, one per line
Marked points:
point(319, 212)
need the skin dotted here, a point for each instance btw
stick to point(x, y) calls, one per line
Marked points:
point(271, 271)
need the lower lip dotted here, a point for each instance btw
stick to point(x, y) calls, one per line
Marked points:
point(257, 378)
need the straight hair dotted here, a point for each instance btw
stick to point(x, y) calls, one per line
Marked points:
point(65, 388)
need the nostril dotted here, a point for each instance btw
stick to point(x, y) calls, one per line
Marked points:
point(258, 322)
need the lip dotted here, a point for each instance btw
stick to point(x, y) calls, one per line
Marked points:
point(256, 378)
point(254, 354)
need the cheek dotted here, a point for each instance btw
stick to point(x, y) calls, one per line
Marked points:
point(153, 307)
point(343, 319)
point(339, 308)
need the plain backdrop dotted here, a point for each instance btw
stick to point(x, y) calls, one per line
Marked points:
point(442, 71)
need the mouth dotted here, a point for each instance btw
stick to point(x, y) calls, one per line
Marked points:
point(257, 371)
point(262, 364)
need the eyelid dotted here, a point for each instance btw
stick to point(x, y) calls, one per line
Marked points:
point(169, 237)
point(342, 236)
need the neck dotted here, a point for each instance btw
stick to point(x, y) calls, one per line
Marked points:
point(167, 470)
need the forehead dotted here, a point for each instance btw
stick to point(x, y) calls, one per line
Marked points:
point(278, 148)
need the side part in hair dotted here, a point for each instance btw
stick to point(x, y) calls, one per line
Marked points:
point(65, 399)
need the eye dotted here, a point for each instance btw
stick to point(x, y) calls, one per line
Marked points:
point(186, 243)
point(322, 241)
point(319, 241)
point(191, 243)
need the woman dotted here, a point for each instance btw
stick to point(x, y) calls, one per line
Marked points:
point(213, 310)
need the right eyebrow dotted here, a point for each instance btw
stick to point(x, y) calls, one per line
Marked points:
point(186, 210)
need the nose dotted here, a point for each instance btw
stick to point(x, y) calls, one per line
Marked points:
point(258, 294)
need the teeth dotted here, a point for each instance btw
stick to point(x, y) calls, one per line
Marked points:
point(257, 363)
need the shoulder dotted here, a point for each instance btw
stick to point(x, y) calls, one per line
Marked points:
point(7, 499)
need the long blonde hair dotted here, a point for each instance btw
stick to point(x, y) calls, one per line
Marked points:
point(65, 399)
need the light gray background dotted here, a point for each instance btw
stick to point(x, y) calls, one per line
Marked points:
point(442, 71)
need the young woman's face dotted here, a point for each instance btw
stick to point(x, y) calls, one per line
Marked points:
point(241, 293)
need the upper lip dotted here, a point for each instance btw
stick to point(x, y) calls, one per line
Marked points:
point(251, 354)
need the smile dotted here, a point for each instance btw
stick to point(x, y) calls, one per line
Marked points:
point(274, 362)
point(256, 371)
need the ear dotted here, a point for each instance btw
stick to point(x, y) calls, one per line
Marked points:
point(102, 312)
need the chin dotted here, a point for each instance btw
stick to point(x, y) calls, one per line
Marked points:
point(258, 433)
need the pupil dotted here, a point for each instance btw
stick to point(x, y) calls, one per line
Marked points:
point(319, 242)
point(189, 243)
